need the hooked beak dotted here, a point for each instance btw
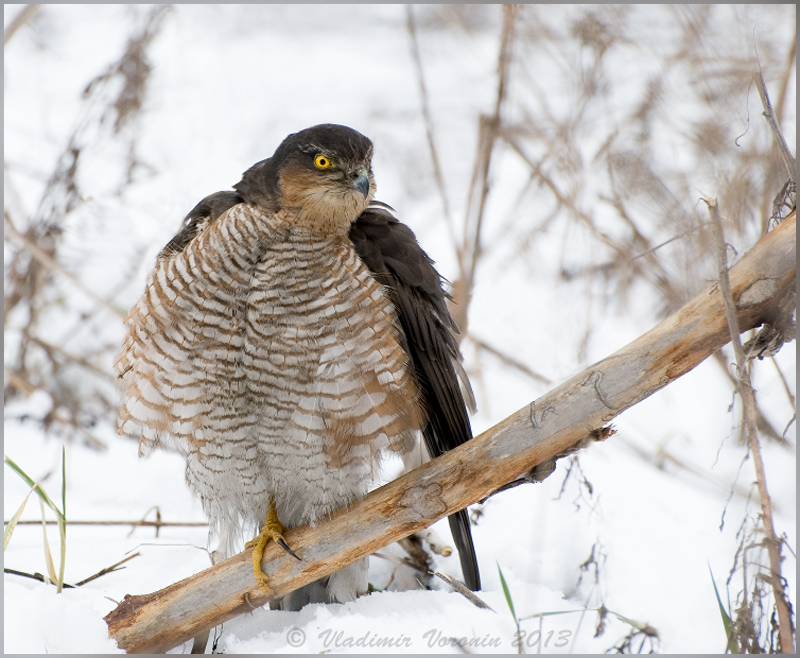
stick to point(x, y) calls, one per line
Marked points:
point(362, 185)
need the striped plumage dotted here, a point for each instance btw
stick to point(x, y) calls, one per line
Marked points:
point(273, 347)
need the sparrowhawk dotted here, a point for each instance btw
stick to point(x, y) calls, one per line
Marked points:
point(290, 334)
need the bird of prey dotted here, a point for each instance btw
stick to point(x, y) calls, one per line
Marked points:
point(291, 334)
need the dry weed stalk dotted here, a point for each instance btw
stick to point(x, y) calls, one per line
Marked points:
point(745, 390)
point(780, 329)
point(38, 282)
point(25, 15)
point(411, 26)
point(135, 524)
point(480, 185)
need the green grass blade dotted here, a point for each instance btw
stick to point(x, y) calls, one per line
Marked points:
point(19, 471)
point(64, 482)
point(727, 622)
point(62, 521)
point(507, 593)
point(39, 490)
point(510, 602)
point(61, 518)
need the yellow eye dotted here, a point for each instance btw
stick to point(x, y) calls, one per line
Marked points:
point(323, 162)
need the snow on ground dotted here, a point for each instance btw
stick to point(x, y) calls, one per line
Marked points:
point(228, 84)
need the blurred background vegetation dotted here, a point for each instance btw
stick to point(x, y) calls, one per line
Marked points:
point(580, 172)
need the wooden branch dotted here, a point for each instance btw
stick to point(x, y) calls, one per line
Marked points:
point(549, 426)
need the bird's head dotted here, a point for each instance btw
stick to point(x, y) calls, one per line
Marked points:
point(321, 177)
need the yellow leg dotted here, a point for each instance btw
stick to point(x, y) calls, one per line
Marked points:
point(273, 529)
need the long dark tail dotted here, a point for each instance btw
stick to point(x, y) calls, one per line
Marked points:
point(391, 252)
point(462, 536)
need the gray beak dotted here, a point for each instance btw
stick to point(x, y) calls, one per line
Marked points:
point(362, 185)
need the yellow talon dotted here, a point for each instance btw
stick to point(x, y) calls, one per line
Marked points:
point(273, 529)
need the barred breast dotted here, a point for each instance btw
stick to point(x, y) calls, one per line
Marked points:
point(272, 358)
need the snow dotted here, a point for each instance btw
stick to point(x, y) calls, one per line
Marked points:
point(669, 492)
point(38, 622)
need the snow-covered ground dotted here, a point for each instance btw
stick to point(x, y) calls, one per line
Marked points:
point(668, 493)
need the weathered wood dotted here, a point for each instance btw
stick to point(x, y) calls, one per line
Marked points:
point(541, 430)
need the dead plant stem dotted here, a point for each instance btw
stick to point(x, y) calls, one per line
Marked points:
point(745, 388)
point(785, 78)
point(428, 119)
point(49, 347)
point(786, 388)
point(143, 524)
point(510, 361)
point(23, 17)
point(488, 132)
point(53, 265)
point(788, 159)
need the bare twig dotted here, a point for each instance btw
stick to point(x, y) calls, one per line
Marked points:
point(459, 587)
point(661, 456)
point(787, 76)
point(489, 129)
point(426, 115)
point(35, 576)
point(48, 261)
point(103, 572)
point(135, 524)
point(789, 160)
point(762, 423)
point(20, 383)
point(25, 15)
point(54, 416)
point(745, 388)
point(134, 70)
point(49, 347)
point(158, 523)
point(510, 361)
point(621, 250)
point(786, 388)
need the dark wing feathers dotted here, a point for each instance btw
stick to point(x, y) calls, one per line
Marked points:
point(198, 218)
point(391, 252)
